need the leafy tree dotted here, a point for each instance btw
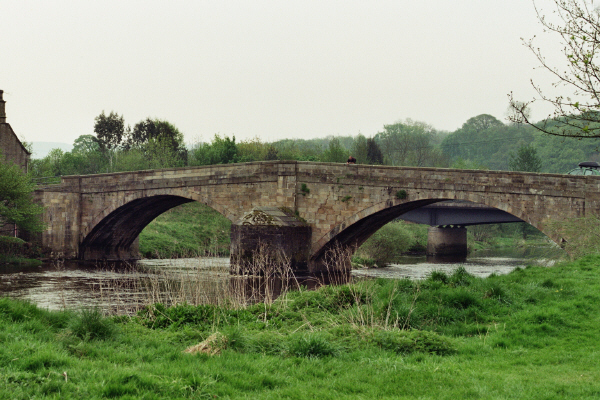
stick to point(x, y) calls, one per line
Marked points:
point(360, 149)
point(86, 155)
point(526, 159)
point(86, 144)
point(577, 114)
point(272, 153)
point(222, 150)
point(374, 155)
point(251, 150)
point(561, 154)
point(161, 153)
point(16, 202)
point(132, 160)
point(109, 130)
point(481, 122)
point(160, 140)
point(335, 152)
point(408, 143)
point(299, 149)
point(489, 147)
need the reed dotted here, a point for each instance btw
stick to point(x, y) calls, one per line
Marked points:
point(264, 277)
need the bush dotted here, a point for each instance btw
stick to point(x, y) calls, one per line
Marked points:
point(314, 345)
point(89, 324)
point(11, 245)
point(401, 194)
point(460, 277)
point(439, 276)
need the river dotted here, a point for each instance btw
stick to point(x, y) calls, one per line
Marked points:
point(124, 288)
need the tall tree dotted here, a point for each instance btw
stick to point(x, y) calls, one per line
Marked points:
point(408, 143)
point(160, 142)
point(576, 114)
point(359, 149)
point(85, 144)
point(109, 130)
point(482, 122)
point(374, 154)
point(335, 152)
point(526, 159)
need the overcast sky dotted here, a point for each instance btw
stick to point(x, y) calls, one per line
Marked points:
point(272, 69)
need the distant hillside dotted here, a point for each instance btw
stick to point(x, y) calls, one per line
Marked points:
point(41, 149)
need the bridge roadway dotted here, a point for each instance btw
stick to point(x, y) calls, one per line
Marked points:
point(101, 216)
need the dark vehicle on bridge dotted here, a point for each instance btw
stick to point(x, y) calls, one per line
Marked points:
point(586, 168)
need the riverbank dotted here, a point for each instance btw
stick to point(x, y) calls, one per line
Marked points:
point(529, 334)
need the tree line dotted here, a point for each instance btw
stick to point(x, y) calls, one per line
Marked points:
point(482, 142)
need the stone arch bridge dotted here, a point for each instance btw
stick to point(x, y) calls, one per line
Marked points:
point(101, 216)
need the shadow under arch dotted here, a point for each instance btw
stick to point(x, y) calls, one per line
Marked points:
point(115, 236)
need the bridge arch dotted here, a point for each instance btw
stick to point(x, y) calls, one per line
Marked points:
point(114, 231)
point(356, 229)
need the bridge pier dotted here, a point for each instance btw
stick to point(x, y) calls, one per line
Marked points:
point(447, 241)
point(270, 241)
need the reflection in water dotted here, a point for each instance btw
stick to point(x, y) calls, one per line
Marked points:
point(125, 288)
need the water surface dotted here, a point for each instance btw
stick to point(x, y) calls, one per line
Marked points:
point(124, 288)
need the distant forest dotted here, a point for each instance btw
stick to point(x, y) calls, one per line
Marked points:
point(483, 142)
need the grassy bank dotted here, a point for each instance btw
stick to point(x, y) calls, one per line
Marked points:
point(530, 334)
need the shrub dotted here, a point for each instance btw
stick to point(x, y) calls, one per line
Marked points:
point(11, 245)
point(89, 324)
point(401, 194)
point(439, 276)
point(460, 277)
point(313, 345)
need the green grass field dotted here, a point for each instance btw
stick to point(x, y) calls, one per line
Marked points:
point(532, 334)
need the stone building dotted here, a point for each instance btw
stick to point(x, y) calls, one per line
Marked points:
point(11, 150)
point(11, 147)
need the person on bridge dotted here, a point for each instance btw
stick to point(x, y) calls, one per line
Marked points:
point(351, 160)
